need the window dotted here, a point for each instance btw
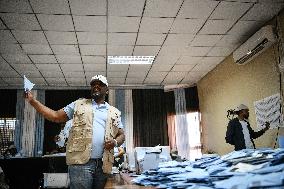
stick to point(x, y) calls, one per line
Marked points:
point(193, 123)
point(7, 133)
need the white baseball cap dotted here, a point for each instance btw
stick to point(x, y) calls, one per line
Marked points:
point(241, 107)
point(100, 78)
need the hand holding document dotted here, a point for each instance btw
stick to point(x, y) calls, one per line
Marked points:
point(27, 84)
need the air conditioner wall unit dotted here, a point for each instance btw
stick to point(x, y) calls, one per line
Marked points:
point(255, 45)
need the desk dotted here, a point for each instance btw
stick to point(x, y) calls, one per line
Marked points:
point(28, 172)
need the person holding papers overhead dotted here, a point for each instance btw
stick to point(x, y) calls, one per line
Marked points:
point(96, 129)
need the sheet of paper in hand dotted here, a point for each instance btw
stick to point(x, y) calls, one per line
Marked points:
point(27, 84)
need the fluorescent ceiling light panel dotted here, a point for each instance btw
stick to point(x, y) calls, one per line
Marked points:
point(130, 59)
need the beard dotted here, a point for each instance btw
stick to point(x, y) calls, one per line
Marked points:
point(95, 95)
point(246, 116)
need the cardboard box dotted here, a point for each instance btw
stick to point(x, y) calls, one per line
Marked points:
point(56, 180)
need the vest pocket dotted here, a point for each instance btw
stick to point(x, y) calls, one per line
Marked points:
point(78, 145)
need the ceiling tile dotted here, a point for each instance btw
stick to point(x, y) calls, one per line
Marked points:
point(123, 24)
point(10, 49)
point(34, 37)
point(96, 67)
point(134, 80)
point(38, 80)
point(168, 59)
point(150, 39)
point(90, 23)
point(146, 50)
point(36, 49)
point(220, 51)
point(115, 80)
point(197, 51)
point(161, 67)
point(20, 21)
point(125, 7)
point(116, 74)
point(15, 81)
point(88, 7)
point(16, 58)
point(56, 22)
point(197, 8)
point(117, 68)
point(29, 74)
point(21, 6)
point(74, 67)
point(93, 59)
point(65, 49)
point(137, 74)
point(189, 60)
point(51, 73)
point(3, 83)
point(68, 59)
point(121, 38)
point(56, 81)
point(76, 81)
point(216, 27)
point(46, 68)
point(74, 74)
point(43, 58)
point(93, 49)
point(182, 67)
point(119, 50)
point(4, 65)
point(212, 60)
point(6, 37)
point(157, 74)
point(230, 10)
point(91, 38)
point(142, 68)
point(245, 28)
point(50, 6)
point(178, 39)
point(193, 76)
point(263, 11)
point(205, 40)
point(231, 40)
point(174, 77)
point(2, 26)
point(61, 37)
point(162, 8)
point(10, 73)
point(191, 26)
point(172, 50)
point(153, 80)
point(155, 25)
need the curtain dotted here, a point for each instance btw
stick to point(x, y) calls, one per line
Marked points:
point(181, 124)
point(111, 97)
point(120, 103)
point(28, 137)
point(149, 117)
point(129, 121)
point(29, 128)
point(20, 105)
point(122, 99)
point(172, 131)
point(39, 127)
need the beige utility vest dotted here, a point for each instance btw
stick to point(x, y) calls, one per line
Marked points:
point(79, 145)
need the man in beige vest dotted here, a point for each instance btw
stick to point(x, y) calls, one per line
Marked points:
point(96, 130)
